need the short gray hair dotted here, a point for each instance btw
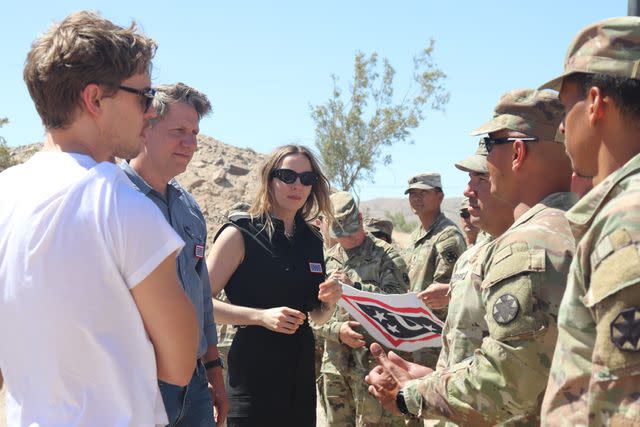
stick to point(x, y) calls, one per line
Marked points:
point(179, 92)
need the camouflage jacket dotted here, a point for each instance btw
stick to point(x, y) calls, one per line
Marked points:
point(595, 374)
point(465, 325)
point(430, 257)
point(378, 268)
point(432, 253)
point(523, 278)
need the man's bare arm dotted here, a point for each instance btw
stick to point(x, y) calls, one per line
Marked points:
point(170, 320)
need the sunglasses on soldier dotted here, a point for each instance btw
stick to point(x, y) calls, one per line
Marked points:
point(289, 176)
point(490, 142)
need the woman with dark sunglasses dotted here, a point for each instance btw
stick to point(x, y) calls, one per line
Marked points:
point(271, 265)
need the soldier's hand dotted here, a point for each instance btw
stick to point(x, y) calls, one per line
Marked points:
point(436, 295)
point(341, 277)
point(330, 292)
point(282, 319)
point(350, 337)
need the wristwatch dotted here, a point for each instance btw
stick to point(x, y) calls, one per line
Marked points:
point(213, 364)
point(402, 405)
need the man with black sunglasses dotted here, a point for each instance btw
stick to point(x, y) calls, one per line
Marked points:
point(468, 223)
point(88, 272)
point(521, 279)
point(169, 146)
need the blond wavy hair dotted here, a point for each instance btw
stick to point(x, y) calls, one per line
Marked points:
point(318, 202)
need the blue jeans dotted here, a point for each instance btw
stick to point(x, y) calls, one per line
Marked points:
point(189, 406)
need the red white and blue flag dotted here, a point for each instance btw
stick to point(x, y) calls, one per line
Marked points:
point(397, 321)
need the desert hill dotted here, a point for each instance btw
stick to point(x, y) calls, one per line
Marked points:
point(220, 175)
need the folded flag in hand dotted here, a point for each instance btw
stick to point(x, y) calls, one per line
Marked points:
point(397, 321)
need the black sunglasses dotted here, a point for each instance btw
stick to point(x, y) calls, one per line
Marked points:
point(464, 214)
point(146, 95)
point(490, 142)
point(289, 177)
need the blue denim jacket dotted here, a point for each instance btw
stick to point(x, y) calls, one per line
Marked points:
point(182, 212)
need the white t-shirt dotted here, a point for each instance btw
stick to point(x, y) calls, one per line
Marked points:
point(75, 237)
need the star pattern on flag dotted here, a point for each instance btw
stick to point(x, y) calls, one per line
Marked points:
point(625, 330)
point(505, 309)
point(380, 316)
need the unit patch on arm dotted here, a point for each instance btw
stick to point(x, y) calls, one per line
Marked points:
point(505, 309)
point(625, 330)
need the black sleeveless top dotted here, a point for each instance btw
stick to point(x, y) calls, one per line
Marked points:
point(271, 377)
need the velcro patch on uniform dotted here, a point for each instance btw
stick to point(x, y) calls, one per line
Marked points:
point(619, 268)
point(508, 263)
point(505, 309)
point(450, 255)
point(198, 251)
point(315, 267)
point(625, 330)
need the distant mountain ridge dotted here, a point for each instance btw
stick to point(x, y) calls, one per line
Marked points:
point(220, 175)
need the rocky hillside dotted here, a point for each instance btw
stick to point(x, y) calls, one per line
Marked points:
point(220, 175)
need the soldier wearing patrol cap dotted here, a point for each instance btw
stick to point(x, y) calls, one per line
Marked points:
point(433, 250)
point(595, 373)
point(372, 265)
point(522, 276)
point(468, 223)
point(380, 228)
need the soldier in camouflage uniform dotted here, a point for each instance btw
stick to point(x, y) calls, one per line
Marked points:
point(372, 265)
point(433, 249)
point(595, 374)
point(468, 223)
point(380, 228)
point(465, 326)
point(523, 277)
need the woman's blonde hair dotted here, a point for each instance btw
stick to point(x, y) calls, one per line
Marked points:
point(318, 202)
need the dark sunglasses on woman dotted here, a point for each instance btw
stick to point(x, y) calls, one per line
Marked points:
point(289, 176)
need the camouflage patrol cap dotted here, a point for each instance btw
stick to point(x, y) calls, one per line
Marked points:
point(464, 204)
point(377, 225)
point(611, 46)
point(532, 112)
point(345, 215)
point(476, 162)
point(424, 181)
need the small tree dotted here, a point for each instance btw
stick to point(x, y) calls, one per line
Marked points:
point(351, 135)
point(5, 155)
point(400, 223)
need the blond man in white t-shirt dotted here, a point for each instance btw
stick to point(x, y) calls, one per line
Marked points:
point(88, 272)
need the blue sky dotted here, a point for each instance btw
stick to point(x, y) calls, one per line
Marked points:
point(263, 63)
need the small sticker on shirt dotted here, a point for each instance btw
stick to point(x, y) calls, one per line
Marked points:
point(199, 251)
point(315, 267)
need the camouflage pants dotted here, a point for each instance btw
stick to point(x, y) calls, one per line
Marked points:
point(223, 351)
point(347, 402)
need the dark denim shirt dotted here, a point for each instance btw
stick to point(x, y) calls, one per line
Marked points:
point(182, 212)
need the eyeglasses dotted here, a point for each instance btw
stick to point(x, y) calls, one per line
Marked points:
point(464, 214)
point(490, 142)
point(146, 95)
point(289, 177)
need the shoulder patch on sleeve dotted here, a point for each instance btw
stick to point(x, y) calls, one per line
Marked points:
point(615, 264)
point(511, 261)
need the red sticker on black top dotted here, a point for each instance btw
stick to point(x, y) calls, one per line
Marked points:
point(199, 251)
point(315, 267)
